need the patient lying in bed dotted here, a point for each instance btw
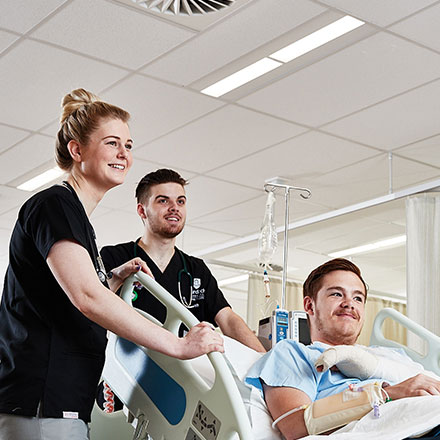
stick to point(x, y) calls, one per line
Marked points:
point(334, 298)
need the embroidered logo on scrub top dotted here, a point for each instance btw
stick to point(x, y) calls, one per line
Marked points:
point(197, 283)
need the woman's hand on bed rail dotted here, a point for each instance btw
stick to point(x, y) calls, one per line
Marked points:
point(420, 385)
point(120, 273)
point(201, 339)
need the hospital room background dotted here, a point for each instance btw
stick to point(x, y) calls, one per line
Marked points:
point(355, 119)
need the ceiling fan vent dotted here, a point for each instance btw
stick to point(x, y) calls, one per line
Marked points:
point(184, 7)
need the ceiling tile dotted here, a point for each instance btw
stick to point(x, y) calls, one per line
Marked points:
point(367, 180)
point(386, 126)
point(379, 274)
point(156, 107)
point(123, 196)
point(394, 257)
point(379, 12)
point(427, 151)
point(25, 157)
point(348, 81)
point(422, 27)
point(308, 237)
point(5, 236)
point(6, 39)
point(192, 238)
point(302, 158)
point(113, 33)
point(116, 226)
point(36, 88)
point(390, 212)
point(22, 15)
point(206, 195)
point(355, 236)
point(247, 217)
point(206, 53)
point(10, 201)
point(218, 138)
point(10, 136)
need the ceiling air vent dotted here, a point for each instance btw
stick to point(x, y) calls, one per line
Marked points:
point(184, 7)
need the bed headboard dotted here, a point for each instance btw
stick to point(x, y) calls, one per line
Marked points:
point(430, 361)
point(168, 397)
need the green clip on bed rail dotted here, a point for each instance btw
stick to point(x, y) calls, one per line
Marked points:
point(167, 394)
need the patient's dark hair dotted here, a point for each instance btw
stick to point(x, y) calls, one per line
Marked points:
point(313, 282)
point(163, 175)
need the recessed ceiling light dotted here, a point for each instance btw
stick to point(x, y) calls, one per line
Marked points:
point(317, 38)
point(233, 280)
point(387, 243)
point(41, 179)
point(288, 53)
point(241, 77)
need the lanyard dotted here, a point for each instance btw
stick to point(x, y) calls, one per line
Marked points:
point(97, 260)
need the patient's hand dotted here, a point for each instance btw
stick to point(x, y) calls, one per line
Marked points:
point(420, 385)
point(201, 339)
point(350, 360)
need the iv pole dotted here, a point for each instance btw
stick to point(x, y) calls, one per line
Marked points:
point(272, 185)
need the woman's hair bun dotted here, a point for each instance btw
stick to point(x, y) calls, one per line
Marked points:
point(74, 100)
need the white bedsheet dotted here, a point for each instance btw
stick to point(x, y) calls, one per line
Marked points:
point(399, 419)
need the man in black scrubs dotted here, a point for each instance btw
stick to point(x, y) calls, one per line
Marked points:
point(162, 208)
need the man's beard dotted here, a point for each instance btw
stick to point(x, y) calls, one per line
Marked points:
point(165, 231)
point(339, 338)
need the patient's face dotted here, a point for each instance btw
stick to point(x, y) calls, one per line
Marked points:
point(337, 314)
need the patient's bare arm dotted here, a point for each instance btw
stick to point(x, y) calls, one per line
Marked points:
point(420, 385)
point(280, 400)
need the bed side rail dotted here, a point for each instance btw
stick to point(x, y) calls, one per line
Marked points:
point(430, 361)
point(211, 413)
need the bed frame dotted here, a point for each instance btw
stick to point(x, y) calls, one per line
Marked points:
point(430, 360)
point(169, 399)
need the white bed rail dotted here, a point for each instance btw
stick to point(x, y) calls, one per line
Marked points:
point(430, 361)
point(192, 410)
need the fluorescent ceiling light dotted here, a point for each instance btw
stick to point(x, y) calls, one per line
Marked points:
point(389, 242)
point(288, 53)
point(241, 77)
point(233, 280)
point(316, 39)
point(41, 179)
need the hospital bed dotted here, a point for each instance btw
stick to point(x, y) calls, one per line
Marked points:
point(205, 399)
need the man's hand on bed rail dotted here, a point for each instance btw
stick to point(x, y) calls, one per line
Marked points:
point(201, 339)
point(420, 385)
point(120, 273)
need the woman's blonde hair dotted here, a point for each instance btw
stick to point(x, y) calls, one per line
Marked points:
point(81, 115)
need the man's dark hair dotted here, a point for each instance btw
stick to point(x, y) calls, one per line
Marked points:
point(163, 175)
point(313, 282)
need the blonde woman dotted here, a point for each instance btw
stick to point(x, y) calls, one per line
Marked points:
point(57, 301)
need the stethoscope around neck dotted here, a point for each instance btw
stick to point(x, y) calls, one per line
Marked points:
point(182, 272)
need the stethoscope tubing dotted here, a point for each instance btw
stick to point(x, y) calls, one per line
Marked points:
point(188, 305)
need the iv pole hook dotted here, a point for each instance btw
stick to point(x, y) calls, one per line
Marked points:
point(305, 193)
